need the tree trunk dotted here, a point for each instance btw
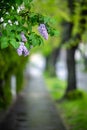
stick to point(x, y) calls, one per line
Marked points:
point(71, 77)
point(47, 63)
point(2, 89)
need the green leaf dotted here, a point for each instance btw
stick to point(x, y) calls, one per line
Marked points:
point(4, 42)
point(34, 42)
point(41, 41)
point(18, 37)
point(14, 43)
point(19, 2)
point(27, 2)
point(27, 45)
point(46, 19)
point(56, 33)
point(30, 0)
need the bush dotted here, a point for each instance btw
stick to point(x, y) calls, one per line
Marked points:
point(75, 94)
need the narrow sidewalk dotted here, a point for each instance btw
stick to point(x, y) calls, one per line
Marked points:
point(34, 110)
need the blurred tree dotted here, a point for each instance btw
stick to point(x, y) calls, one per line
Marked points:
point(74, 40)
point(71, 79)
point(51, 61)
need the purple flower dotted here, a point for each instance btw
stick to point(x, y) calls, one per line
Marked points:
point(22, 50)
point(43, 31)
point(24, 39)
point(25, 51)
point(19, 51)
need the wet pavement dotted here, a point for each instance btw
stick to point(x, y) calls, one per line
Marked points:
point(33, 110)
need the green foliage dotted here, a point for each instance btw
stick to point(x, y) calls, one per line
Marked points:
point(7, 93)
point(56, 87)
point(10, 64)
point(4, 42)
point(76, 18)
point(50, 8)
point(10, 59)
point(75, 94)
point(25, 19)
point(19, 81)
point(72, 112)
point(35, 39)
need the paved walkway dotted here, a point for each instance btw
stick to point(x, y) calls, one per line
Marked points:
point(34, 110)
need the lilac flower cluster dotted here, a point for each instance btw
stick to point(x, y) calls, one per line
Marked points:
point(22, 50)
point(24, 39)
point(43, 31)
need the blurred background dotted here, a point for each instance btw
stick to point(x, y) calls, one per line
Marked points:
point(61, 61)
